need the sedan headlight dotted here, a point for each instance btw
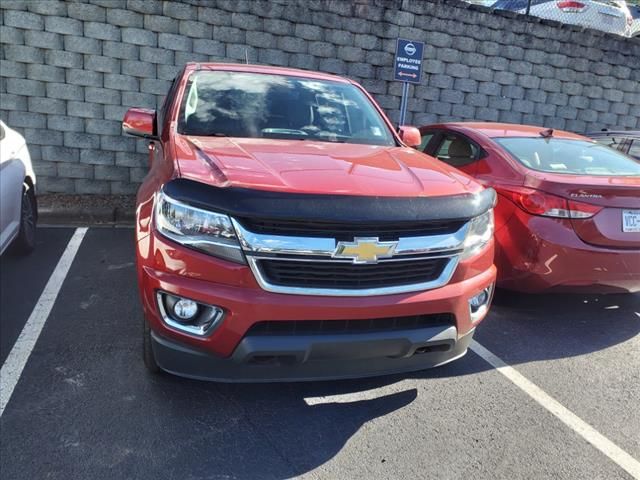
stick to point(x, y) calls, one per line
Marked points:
point(200, 229)
point(479, 233)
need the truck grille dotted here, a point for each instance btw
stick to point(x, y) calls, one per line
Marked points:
point(340, 275)
point(347, 231)
point(372, 325)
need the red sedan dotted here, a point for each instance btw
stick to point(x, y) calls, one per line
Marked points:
point(568, 213)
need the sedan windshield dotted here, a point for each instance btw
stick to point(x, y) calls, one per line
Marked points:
point(254, 105)
point(577, 157)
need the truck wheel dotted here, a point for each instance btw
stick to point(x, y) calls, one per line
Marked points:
point(147, 351)
point(25, 241)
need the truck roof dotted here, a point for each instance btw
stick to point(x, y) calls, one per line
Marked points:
point(264, 69)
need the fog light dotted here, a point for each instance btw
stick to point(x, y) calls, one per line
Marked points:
point(187, 315)
point(479, 300)
point(479, 304)
point(185, 309)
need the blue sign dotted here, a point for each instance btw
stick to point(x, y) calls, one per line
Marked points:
point(408, 63)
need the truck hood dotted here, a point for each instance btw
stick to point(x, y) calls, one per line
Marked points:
point(302, 166)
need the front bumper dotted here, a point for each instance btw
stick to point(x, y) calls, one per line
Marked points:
point(232, 353)
point(317, 357)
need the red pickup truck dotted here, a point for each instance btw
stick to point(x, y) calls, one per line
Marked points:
point(286, 231)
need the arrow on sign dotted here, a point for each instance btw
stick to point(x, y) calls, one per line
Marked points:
point(402, 74)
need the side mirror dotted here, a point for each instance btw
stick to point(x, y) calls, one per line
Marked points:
point(140, 122)
point(410, 136)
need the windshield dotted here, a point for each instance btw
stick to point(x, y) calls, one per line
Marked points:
point(253, 105)
point(558, 155)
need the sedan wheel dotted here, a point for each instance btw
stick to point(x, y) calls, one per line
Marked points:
point(25, 242)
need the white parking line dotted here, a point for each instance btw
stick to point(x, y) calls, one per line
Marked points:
point(582, 428)
point(17, 358)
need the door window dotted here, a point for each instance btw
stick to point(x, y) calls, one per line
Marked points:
point(634, 149)
point(457, 151)
point(426, 138)
point(166, 104)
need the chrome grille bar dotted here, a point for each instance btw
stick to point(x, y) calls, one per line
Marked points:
point(265, 284)
point(256, 243)
point(260, 247)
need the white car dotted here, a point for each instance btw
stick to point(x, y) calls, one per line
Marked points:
point(611, 16)
point(18, 207)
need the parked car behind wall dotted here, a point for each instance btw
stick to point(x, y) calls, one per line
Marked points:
point(626, 141)
point(608, 16)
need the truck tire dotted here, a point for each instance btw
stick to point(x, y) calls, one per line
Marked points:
point(147, 351)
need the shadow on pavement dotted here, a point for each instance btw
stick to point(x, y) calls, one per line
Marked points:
point(265, 430)
point(524, 328)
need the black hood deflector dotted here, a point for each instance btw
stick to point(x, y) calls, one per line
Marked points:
point(250, 203)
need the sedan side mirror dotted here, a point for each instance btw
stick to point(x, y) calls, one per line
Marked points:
point(410, 135)
point(140, 122)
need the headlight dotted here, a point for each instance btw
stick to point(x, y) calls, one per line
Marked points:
point(200, 229)
point(479, 233)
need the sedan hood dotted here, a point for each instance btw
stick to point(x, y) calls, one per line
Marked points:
point(302, 166)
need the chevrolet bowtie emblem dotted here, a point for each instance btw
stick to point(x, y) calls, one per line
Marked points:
point(365, 250)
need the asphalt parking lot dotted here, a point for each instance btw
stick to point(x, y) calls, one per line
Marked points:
point(84, 406)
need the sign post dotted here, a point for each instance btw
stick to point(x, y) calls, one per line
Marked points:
point(407, 69)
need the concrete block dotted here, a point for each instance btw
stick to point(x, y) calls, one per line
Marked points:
point(175, 42)
point(138, 69)
point(194, 29)
point(64, 25)
point(18, 119)
point(84, 109)
point(99, 63)
point(83, 186)
point(37, 136)
point(179, 10)
point(21, 86)
point(475, 100)
point(65, 91)
point(75, 170)
point(117, 143)
point(87, 12)
point(465, 85)
point(64, 123)
point(82, 44)
point(22, 53)
point(102, 95)
point(59, 58)
point(37, 105)
point(101, 31)
point(103, 127)
point(48, 7)
point(273, 57)
point(40, 39)
point(111, 172)
point(124, 18)
point(117, 81)
point(157, 23)
point(24, 20)
point(97, 157)
point(292, 45)
point(13, 69)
